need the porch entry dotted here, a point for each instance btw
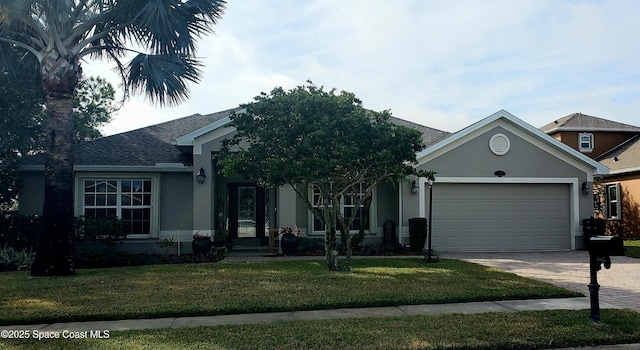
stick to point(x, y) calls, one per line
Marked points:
point(247, 204)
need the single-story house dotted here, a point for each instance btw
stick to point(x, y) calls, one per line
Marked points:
point(616, 146)
point(501, 185)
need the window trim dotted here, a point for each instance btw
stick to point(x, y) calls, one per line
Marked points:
point(373, 214)
point(591, 142)
point(617, 202)
point(155, 196)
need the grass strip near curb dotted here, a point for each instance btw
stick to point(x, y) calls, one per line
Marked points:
point(523, 330)
point(231, 288)
point(632, 248)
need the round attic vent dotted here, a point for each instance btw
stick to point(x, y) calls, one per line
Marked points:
point(499, 144)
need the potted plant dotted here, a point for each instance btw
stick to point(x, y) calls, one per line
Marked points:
point(289, 239)
point(220, 238)
point(201, 243)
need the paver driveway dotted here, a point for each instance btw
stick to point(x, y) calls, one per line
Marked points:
point(619, 286)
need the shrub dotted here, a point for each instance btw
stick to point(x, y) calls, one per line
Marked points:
point(15, 260)
point(390, 249)
point(86, 259)
point(107, 229)
point(19, 231)
point(115, 258)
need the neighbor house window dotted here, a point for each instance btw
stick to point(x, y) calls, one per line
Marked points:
point(348, 206)
point(613, 201)
point(585, 142)
point(127, 199)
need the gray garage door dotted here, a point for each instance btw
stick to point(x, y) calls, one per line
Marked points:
point(500, 217)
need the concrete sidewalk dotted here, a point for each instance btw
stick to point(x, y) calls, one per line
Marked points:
point(404, 310)
point(255, 318)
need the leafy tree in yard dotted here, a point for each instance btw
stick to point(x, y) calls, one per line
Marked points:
point(60, 34)
point(21, 116)
point(22, 119)
point(93, 105)
point(311, 138)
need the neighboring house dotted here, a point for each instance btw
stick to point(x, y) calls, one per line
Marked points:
point(617, 146)
point(501, 185)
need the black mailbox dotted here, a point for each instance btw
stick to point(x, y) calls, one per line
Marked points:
point(606, 246)
point(600, 250)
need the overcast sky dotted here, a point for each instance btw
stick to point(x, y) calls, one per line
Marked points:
point(444, 64)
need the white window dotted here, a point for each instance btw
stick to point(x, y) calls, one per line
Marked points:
point(347, 206)
point(585, 142)
point(613, 202)
point(128, 199)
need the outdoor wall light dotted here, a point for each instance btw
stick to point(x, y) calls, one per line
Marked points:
point(587, 188)
point(201, 176)
point(499, 173)
point(414, 187)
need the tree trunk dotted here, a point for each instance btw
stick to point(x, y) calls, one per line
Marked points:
point(347, 247)
point(330, 244)
point(54, 249)
point(345, 236)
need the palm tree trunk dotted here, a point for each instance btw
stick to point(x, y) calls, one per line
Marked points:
point(54, 249)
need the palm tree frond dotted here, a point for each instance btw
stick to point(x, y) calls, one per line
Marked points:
point(171, 26)
point(162, 78)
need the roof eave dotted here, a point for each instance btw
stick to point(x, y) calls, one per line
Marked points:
point(158, 167)
point(187, 140)
point(591, 129)
point(624, 171)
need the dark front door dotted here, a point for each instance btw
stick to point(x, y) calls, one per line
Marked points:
point(247, 213)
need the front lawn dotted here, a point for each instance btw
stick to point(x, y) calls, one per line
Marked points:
point(522, 330)
point(228, 288)
point(632, 248)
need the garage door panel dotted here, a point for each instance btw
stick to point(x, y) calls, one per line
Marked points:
point(501, 217)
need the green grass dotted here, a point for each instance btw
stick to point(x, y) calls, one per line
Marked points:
point(523, 330)
point(228, 288)
point(632, 248)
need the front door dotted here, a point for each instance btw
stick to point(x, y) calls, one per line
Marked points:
point(247, 213)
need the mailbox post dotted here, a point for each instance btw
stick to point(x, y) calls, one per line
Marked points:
point(601, 248)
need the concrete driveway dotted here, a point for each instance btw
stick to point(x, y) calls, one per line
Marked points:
point(619, 286)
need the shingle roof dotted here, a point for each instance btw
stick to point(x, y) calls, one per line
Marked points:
point(155, 144)
point(430, 136)
point(141, 147)
point(583, 122)
point(624, 157)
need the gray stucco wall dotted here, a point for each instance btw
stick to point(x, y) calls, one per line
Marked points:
point(475, 159)
point(32, 193)
point(205, 193)
point(176, 201)
point(202, 204)
point(410, 206)
point(387, 206)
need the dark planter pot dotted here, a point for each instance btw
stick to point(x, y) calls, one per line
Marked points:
point(289, 243)
point(417, 233)
point(219, 241)
point(201, 245)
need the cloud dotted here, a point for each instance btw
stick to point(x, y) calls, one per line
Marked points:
point(444, 64)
